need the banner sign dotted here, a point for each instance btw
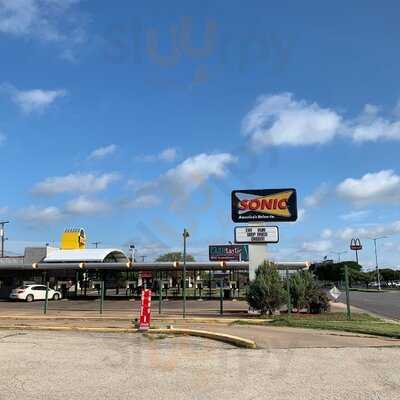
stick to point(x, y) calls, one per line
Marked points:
point(355, 244)
point(264, 205)
point(228, 252)
point(145, 310)
point(256, 234)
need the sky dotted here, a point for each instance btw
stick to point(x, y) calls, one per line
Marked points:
point(135, 120)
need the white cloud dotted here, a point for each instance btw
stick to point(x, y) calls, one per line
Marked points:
point(318, 196)
point(383, 186)
point(78, 183)
point(169, 154)
point(102, 152)
point(195, 170)
point(280, 119)
point(187, 176)
point(46, 20)
point(370, 231)
point(318, 246)
point(35, 214)
point(301, 214)
point(355, 215)
point(142, 201)
point(35, 100)
point(369, 126)
point(85, 206)
point(326, 234)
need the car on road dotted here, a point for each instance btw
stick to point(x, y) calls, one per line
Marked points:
point(34, 292)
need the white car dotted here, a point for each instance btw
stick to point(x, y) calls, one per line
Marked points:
point(34, 292)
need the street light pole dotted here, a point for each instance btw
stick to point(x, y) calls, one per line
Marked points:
point(339, 253)
point(378, 279)
point(2, 234)
point(185, 236)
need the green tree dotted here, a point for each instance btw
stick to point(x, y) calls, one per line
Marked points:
point(305, 293)
point(174, 256)
point(364, 278)
point(388, 274)
point(266, 292)
point(334, 272)
point(301, 285)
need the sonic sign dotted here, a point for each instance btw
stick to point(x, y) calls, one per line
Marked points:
point(271, 205)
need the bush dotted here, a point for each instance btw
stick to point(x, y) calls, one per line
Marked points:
point(266, 292)
point(304, 293)
point(318, 301)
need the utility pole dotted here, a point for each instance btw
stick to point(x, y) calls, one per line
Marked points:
point(378, 279)
point(339, 253)
point(96, 244)
point(185, 236)
point(2, 234)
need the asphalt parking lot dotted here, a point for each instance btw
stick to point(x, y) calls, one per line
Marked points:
point(57, 365)
point(123, 306)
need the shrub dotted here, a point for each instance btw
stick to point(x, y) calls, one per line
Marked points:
point(266, 292)
point(304, 293)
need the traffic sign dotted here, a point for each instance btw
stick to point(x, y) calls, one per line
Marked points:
point(335, 293)
point(256, 234)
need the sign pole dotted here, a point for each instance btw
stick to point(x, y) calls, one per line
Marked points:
point(346, 277)
point(46, 302)
point(289, 303)
point(221, 297)
point(101, 296)
point(160, 296)
point(185, 236)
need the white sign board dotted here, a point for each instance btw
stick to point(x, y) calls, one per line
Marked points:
point(335, 293)
point(256, 234)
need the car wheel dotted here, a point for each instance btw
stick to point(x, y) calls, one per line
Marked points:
point(56, 297)
point(30, 298)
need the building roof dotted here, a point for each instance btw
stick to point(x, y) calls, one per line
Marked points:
point(86, 255)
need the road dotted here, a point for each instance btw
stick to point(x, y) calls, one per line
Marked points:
point(60, 365)
point(386, 304)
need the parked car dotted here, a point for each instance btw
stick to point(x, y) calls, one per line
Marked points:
point(34, 292)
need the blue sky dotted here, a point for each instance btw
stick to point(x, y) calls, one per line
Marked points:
point(136, 120)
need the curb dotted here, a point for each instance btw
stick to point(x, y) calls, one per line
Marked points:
point(222, 337)
point(170, 319)
point(233, 340)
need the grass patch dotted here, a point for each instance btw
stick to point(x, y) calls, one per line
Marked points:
point(360, 323)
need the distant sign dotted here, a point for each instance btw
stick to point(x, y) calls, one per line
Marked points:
point(228, 252)
point(335, 293)
point(256, 234)
point(264, 205)
point(355, 244)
